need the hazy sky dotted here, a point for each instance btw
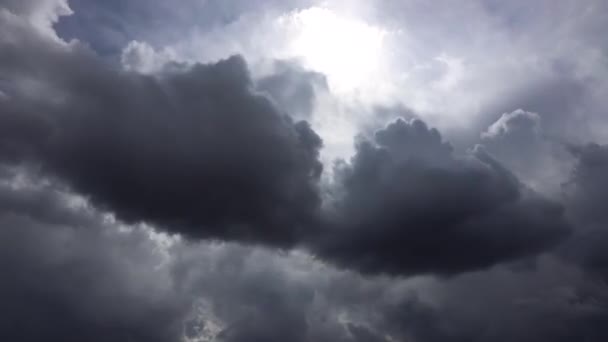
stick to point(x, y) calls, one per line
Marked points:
point(303, 170)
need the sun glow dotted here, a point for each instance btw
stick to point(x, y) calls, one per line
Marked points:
point(347, 50)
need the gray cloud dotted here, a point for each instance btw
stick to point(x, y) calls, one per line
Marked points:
point(88, 150)
point(100, 281)
point(551, 301)
point(406, 204)
point(587, 188)
point(109, 25)
point(293, 88)
point(585, 194)
point(71, 284)
point(40, 13)
point(195, 149)
point(519, 140)
point(71, 275)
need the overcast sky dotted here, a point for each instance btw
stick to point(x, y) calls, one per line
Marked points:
point(303, 170)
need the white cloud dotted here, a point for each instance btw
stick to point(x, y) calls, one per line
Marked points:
point(40, 13)
point(142, 57)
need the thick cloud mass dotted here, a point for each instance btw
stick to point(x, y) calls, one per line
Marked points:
point(143, 198)
point(84, 277)
point(588, 186)
point(194, 149)
point(71, 275)
point(408, 205)
point(586, 195)
point(74, 274)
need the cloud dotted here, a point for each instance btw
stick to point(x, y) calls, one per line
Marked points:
point(412, 239)
point(255, 294)
point(72, 275)
point(101, 280)
point(198, 150)
point(405, 204)
point(75, 273)
point(105, 280)
point(293, 88)
point(195, 149)
point(585, 194)
point(67, 284)
point(588, 186)
point(141, 57)
point(518, 140)
point(550, 301)
point(110, 25)
point(524, 125)
point(39, 13)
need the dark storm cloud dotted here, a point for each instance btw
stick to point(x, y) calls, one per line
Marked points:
point(552, 302)
point(62, 285)
point(70, 273)
point(195, 149)
point(71, 282)
point(408, 205)
point(587, 188)
point(586, 193)
point(269, 298)
point(293, 88)
point(199, 151)
point(68, 276)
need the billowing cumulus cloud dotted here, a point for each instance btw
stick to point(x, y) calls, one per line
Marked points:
point(406, 204)
point(520, 140)
point(237, 171)
point(194, 149)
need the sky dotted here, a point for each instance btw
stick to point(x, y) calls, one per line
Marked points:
point(303, 170)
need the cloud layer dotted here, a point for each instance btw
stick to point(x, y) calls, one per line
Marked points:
point(408, 205)
point(153, 193)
